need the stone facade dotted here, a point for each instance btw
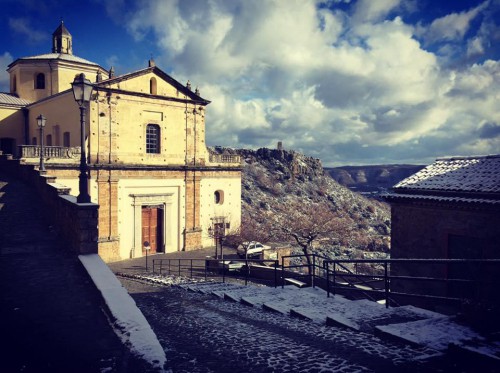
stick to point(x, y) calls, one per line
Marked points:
point(149, 168)
point(448, 210)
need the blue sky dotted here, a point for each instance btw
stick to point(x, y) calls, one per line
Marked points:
point(346, 81)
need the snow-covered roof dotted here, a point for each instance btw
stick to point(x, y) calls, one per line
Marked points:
point(57, 56)
point(477, 175)
point(431, 198)
point(10, 99)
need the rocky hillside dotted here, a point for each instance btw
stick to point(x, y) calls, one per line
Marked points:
point(273, 179)
point(372, 179)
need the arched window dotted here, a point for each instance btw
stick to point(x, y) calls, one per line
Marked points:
point(14, 85)
point(152, 138)
point(40, 81)
point(219, 197)
point(152, 86)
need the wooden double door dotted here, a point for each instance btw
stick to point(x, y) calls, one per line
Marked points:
point(152, 229)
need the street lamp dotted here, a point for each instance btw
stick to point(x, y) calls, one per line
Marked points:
point(82, 89)
point(147, 247)
point(40, 121)
point(218, 232)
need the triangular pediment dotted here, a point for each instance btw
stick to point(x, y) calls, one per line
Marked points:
point(153, 81)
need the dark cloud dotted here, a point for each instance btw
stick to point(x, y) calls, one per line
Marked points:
point(489, 131)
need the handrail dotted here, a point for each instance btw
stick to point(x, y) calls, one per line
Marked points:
point(385, 284)
point(212, 267)
point(315, 265)
point(391, 277)
point(349, 273)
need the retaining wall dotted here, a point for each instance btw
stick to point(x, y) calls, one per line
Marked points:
point(76, 222)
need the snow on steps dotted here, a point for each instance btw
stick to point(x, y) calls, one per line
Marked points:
point(440, 333)
point(410, 324)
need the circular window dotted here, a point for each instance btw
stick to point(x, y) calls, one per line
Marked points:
point(219, 197)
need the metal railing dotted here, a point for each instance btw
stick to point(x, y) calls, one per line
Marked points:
point(256, 270)
point(452, 281)
point(61, 152)
point(395, 281)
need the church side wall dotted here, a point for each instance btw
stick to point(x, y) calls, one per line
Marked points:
point(12, 126)
point(226, 204)
point(62, 114)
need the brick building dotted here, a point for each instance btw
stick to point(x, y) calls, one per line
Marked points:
point(150, 170)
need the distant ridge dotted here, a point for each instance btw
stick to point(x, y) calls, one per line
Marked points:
point(374, 178)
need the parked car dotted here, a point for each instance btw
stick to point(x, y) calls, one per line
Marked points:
point(233, 265)
point(251, 249)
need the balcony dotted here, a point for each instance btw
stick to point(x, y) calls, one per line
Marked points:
point(49, 152)
point(225, 158)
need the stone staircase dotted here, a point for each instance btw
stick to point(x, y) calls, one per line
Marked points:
point(408, 324)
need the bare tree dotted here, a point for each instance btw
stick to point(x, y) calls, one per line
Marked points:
point(307, 223)
point(252, 228)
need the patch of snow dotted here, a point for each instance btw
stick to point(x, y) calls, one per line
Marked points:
point(130, 324)
point(436, 333)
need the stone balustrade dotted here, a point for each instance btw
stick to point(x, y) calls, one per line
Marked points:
point(59, 152)
point(225, 158)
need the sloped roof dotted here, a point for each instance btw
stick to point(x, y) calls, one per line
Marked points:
point(10, 99)
point(62, 30)
point(471, 175)
point(433, 198)
point(56, 56)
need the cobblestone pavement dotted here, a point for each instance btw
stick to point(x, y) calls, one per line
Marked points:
point(52, 318)
point(202, 333)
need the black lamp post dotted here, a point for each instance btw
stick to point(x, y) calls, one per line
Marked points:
point(147, 247)
point(40, 121)
point(82, 89)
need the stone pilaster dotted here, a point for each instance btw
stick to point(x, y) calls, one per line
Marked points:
point(192, 233)
point(107, 186)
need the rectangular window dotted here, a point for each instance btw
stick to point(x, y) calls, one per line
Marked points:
point(66, 139)
point(152, 138)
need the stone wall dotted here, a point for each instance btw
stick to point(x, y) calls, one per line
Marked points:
point(423, 230)
point(75, 222)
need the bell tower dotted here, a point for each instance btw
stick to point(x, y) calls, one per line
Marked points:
point(62, 41)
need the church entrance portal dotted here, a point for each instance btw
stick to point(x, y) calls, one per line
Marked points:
point(152, 228)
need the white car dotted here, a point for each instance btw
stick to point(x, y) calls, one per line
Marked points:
point(251, 249)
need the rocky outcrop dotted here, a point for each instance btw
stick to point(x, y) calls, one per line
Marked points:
point(286, 177)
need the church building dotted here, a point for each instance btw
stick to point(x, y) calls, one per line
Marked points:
point(149, 168)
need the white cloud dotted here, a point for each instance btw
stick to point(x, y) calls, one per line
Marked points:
point(370, 11)
point(324, 82)
point(22, 26)
point(453, 26)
